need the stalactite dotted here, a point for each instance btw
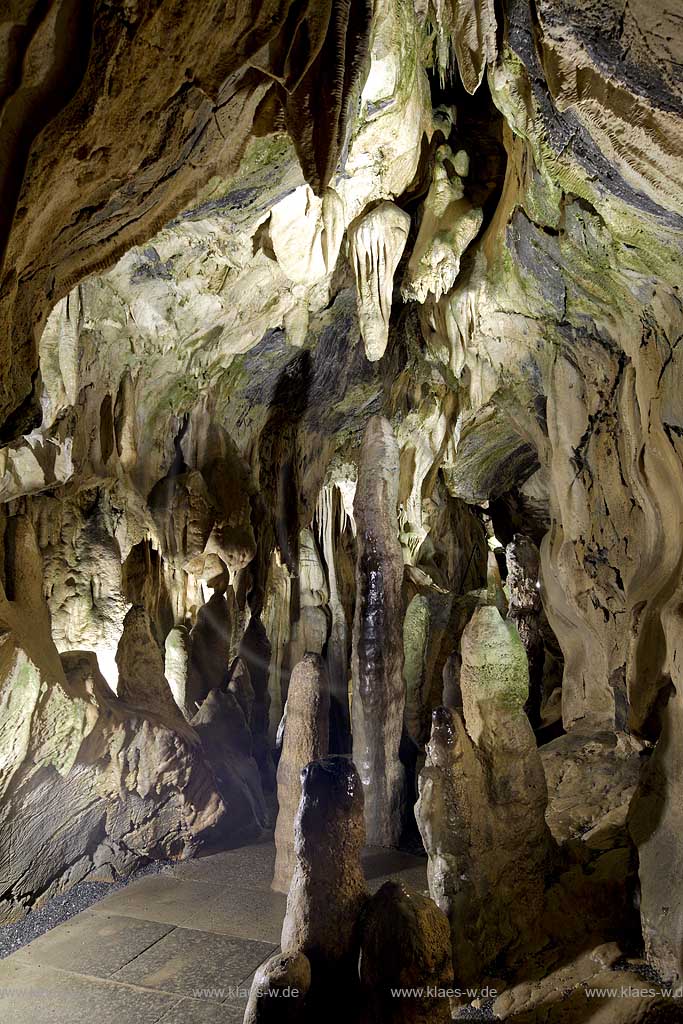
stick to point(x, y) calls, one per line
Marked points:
point(377, 242)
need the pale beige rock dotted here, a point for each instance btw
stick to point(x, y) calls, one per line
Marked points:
point(176, 664)
point(448, 226)
point(306, 738)
point(142, 682)
point(376, 243)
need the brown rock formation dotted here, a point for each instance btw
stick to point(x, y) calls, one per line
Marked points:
point(328, 890)
point(482, 802)
point(279, 989)
point(306, 738)
point(524, 609)
point(142, 682)
point(405, 944)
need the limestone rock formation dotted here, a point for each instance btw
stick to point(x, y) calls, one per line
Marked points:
point(405, 944)
point(210, 649)
point(306, 738)
point(279, 989)
point(142, 682)
point(239, 684)
point(482, 802)
point(176, 665)
point(328, 889)
point(227, 743)
point(449, 224)
point(377, 242)
point(379, 689)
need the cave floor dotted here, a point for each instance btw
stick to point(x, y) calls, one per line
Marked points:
point(181, 946)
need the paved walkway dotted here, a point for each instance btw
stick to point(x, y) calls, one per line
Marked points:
point(174, 948)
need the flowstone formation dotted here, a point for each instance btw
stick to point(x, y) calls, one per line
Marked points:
point(347, 333)
point(379, 688)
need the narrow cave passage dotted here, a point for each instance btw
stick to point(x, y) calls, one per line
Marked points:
point(341, 512)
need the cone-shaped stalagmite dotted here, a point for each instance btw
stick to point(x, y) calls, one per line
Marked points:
point(482, 801)
point(305, 739)
point(378, 685)
point(328, 890)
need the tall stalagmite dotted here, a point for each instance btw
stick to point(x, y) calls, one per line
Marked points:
point(378, 686)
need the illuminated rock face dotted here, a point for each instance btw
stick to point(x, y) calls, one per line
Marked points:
point(377, 282)
point(377, 242)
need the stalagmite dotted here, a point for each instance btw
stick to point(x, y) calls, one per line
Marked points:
point(239, 684)
point(142, 683)
point(482, 802)
point(176, 662)
point(338, 641)
point(405, 945)
point(311, 628)
point(279, 989)
point(305, 739)
point(328, 890)
point(255, 651)
point(210, 649)
point(376, 244)
point(227, 743)
point(378, 686)
point(415, 645)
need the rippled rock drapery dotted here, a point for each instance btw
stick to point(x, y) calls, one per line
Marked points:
point(306, 738)
point(379, 689)
point(377, 242)
point(65, 217)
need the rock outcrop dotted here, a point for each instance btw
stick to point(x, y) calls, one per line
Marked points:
point(279, 989)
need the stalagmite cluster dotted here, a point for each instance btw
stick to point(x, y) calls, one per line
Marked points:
point(341, 482)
